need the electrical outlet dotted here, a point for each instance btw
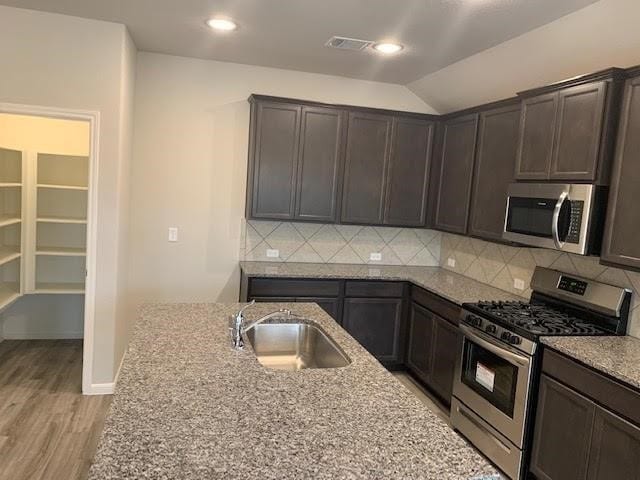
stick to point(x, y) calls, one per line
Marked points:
point(272, 253)
point(518, 284)
point(173, 234)
point(375, 256)
point(451, 262)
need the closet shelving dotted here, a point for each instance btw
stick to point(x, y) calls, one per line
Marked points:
point(61, 217)
point(11, 203)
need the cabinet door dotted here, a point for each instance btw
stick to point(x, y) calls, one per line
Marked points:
point(320, 164)
point(495, 163)
point(621, 244)
point(368, 145)
point(578, 132)
point(407, 180)
point(447, 344)
point(456, 171)
point(329, 305)
point(537, 130)
point(615, 448)
point(420, 342)
point(562, 435)
point(376, 324)
point(273, 160)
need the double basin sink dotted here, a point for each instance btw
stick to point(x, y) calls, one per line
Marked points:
point(295, 346)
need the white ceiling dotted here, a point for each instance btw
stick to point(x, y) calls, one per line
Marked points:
point(291, 33)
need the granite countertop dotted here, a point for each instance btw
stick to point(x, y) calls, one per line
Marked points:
point(452, 286)
point(618, 357)
point(188, 406)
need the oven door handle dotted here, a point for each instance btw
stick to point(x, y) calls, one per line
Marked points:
point(485, 342)
point(555, 231)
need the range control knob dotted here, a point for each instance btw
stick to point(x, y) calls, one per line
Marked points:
point(491, 329)
point(474, 320)
point(505, 336)
point(515, 340)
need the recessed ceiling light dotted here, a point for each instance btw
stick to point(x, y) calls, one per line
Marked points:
point(388, 48)
point(222, 24)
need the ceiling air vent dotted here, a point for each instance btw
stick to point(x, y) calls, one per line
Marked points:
point(344, 43)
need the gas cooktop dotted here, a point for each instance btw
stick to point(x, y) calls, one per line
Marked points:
point(536, 319)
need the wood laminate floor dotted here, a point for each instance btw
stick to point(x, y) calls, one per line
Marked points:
point(48, 429)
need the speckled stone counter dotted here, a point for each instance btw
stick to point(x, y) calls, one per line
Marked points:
point(452, 286)
point(618, 357)
point(187, 406)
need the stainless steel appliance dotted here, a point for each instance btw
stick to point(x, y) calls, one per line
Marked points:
point(497, 374)
point(559, 216)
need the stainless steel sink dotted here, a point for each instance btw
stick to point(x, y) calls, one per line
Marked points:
point(294, 346)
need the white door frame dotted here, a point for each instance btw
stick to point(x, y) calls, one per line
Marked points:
point(93, 117)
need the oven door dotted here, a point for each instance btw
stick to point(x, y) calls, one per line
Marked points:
point(493, 380)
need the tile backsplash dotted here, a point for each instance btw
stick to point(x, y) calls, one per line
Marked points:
point(502, 265)
point(318, 243)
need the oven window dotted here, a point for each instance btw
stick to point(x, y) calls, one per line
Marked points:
point(490, 376)
point(531, 216)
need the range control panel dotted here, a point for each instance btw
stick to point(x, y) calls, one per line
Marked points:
point(572, 285)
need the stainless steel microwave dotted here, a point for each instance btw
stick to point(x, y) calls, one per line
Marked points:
point(565, 217)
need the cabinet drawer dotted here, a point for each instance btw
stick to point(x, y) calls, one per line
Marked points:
point(446, 309)
point(604, 390)
point(270, 287)
point(375, 289)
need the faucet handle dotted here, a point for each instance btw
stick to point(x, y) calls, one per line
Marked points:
point(241, 311)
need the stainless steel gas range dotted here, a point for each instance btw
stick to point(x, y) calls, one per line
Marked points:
point(497, 374)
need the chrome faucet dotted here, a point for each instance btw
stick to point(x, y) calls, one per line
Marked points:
point(239, 328)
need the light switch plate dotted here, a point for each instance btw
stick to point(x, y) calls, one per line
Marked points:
point(518, 284)
point(273, 253)
point(375, 256)
point(451, 262)
point(173, 234)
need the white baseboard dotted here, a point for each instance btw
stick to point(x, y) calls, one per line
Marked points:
point(105, 388)
point(42, 335)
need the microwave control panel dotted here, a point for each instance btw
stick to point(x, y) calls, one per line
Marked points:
point(577, 208)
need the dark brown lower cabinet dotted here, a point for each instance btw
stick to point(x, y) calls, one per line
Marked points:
point(615, 448)
point(419, 355)
point(563, 433)
point(576, 439)
point(433, 347)
point(376, 323)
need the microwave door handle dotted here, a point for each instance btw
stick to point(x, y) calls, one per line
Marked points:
point(502, 352)
point(556, 219)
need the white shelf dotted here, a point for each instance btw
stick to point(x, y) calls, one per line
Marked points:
point(62, 187)
point(6, 220)
point(59, 288)
point(8, 256)
point(10, 185)
point(61, 251)
point(71, 220)
point(7, 298)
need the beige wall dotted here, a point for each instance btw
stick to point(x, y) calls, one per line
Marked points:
point(604, 34)
point(68, 62)
point(189, 170)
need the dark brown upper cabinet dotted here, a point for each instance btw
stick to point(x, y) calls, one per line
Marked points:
point(537, 128)
point(408, 173)
point(455, 172)
point(273, 160)
point(567, 130)
point(620, 244)
point(366, 163)
point(495, 158)
point(295, 162)
point(320, 164)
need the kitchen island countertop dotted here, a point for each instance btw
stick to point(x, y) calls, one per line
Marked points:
point(188, 406)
